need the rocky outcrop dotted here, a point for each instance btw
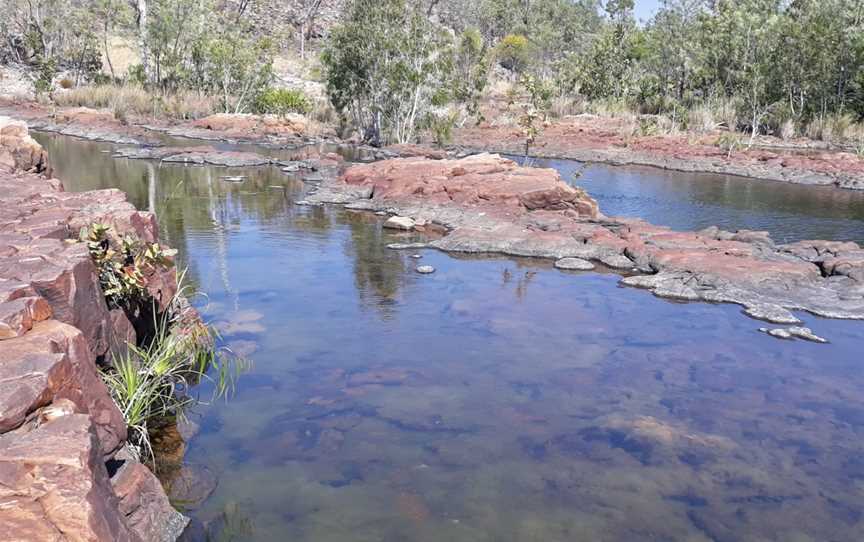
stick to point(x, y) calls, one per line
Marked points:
point(59, 427)
point(489, 204)
point(244, 125)
point(482, 180)
point(19, 151)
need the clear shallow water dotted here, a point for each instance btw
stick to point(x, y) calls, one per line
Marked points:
point(495, 400)
point(692, 201)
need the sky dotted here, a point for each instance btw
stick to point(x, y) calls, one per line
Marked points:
point(645, 9)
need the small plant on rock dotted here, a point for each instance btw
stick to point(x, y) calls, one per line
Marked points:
point(124, 266)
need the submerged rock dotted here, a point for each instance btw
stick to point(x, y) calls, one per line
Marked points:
point(804, 333)
point(574, 264)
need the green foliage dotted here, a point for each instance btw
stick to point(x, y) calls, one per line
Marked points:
point(153, 382)
point(47, 70)
point(124, 265)
point(281, 101)
point(514, 52)
point(384, 65)
point(471, 66)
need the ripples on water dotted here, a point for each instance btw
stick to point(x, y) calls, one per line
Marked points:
point(498, 399)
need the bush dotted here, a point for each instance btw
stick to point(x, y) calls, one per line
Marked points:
point(47, 70)
point(514, 52)
point(281, 101)
point(66, 83)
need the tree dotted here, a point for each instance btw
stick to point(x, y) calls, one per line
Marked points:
point(142, 24)
point(385, 63)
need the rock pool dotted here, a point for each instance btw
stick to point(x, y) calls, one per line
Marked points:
point(498, 399)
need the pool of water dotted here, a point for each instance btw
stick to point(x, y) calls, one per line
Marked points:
point(498, 399)
point(692, 201)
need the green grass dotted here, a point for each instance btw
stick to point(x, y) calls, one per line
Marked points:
point(156, 381)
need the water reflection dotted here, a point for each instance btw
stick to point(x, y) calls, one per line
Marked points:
point(497, 399)
point(692, 201)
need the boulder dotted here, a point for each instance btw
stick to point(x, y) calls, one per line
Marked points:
point(240, 125)
point(19, 151)
point(144, 504)
point(53, 361)
point(399, 223)
point(54, 485)
point(481, 180)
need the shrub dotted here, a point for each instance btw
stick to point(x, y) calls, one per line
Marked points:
point(123, 266)
point(47, 69)
point(281, 101)
point(514, 52)
point(66, 83)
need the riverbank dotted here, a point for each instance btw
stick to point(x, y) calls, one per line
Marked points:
point(591, 138)
point(488, 204)
point(584, 138)
point(64, 473)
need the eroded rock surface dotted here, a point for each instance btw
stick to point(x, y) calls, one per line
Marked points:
point(195, 156)
point(489, 204)
point(58, 423)
point(19, 151)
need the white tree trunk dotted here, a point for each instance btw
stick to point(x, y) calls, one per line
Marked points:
point(143, 39)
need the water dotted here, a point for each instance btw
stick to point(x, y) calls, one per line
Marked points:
point(692, 201)
point(496, 400)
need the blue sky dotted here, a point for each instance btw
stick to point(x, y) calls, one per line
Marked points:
point(645, 8)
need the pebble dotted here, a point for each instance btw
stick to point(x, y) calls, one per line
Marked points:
point(425, 269)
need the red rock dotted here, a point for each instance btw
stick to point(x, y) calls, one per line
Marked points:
point(144, 504)
point(481, 180)
point(18, 316)
point(54, 486)
point(244, 124)
point(19, 151)
point(53, 361)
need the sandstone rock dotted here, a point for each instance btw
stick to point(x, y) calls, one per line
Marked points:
point(244, 124)
point(487, 204)
point(195, 156)
point(54, 486)
point(18, 316)
point(804, 333)
point(144, 504)
point(399, 223)
point(19, 151)
point(483, 179)
point(50, 362)
point(574, 264)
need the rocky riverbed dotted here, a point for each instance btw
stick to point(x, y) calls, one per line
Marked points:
point(63, 472)
point(584, 138)
point(488, 204)
point(590, 138)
